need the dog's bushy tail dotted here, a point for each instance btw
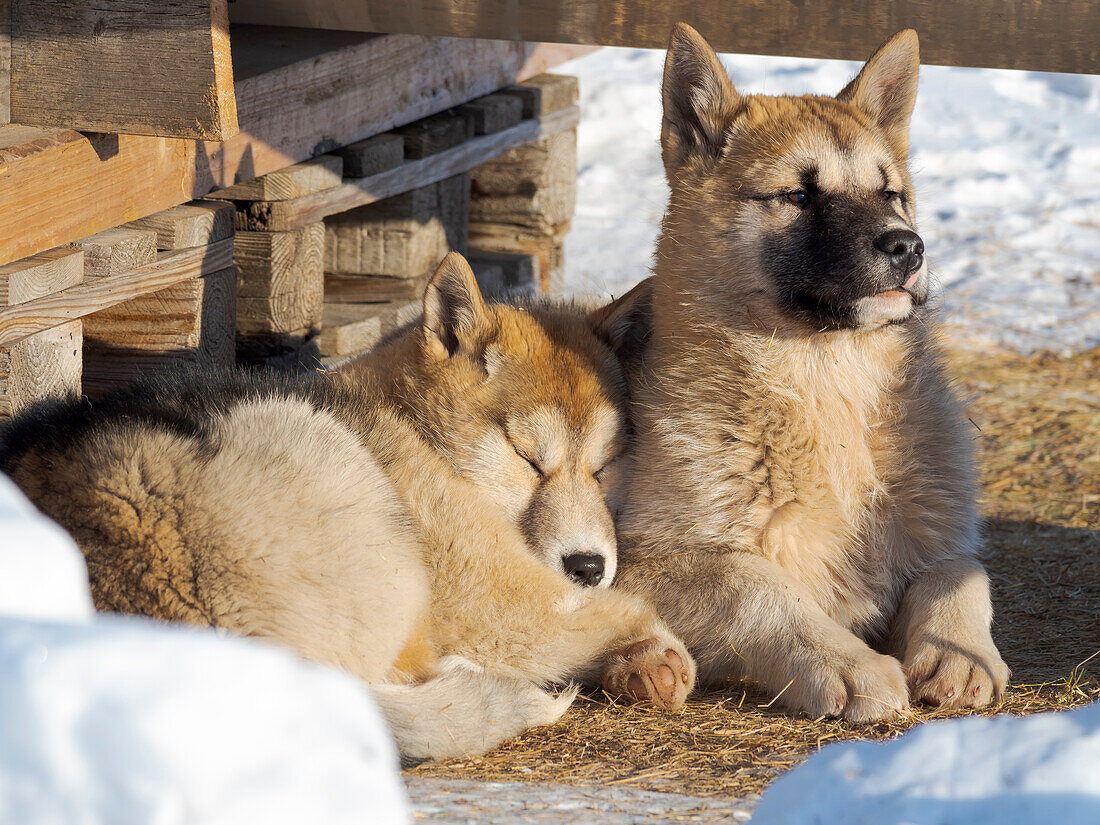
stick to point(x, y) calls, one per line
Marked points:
point(464, 710)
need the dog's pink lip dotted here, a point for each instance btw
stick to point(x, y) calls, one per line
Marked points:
point(902, 290)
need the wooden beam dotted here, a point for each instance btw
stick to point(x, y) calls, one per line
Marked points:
point(295, 181)
point(5, 62)
point(189, 323)
point(190, 224)
point(143, 67)
point(25, 319)
point(405, 236)
point(115, 251)
point(58, 186)
point(1040, 35)
point(286, 215)
point(354, 288)
point(281, 285)
point(352, 328)
point(47, 363)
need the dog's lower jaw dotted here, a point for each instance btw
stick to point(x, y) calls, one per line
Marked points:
point(880, 310)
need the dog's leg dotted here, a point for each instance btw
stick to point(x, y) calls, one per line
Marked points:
point(464, 710)
point(942, 636)
point(744, 616)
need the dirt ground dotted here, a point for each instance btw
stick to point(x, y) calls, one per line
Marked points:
point(1037, 421)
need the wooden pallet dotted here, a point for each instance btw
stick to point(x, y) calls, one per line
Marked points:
point(57, 186)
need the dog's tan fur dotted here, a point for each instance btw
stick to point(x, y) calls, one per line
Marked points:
point(803, 507)
point(372, 520)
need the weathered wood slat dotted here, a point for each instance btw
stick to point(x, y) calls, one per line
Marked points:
point(371, 156)
point(285, 215)
point(303, 178)
point(281, 284)
point(352, 328)
point(191, 323)
point(353, 288)
point(47, 363)
point(115, 251)
point(5, 61)
point(1041, 35)
point(22, 320)
point(58, 186)
point(42, 365)
point(144, 67)
point(189, 224)
point(405, 236)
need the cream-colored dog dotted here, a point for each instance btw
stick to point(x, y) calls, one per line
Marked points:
point(411, 521)
point(803, 508)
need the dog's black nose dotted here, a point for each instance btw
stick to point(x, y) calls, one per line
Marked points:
point(584, 568)
point(904, 248)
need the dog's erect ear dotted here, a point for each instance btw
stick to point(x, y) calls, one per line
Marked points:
point(699, 100)
point(456, 320)
point(625, 323)
point(886, 88)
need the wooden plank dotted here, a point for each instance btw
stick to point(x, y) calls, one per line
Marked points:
point(435, 134)
point(545, 93)
point(19, 321)
point(334, 79)
point(190, 224)
point(547, 245)
point(405, 236)
point(503, 273)
point(191, 323)
point(44, 365)
point(534, 185)
point(41, 274)
point(492, 113)
point(285, 215)
point(144, 67)
point(1039, 35)
point(115, 251)
point(280, 287)
point(353, 288)
point(350, 328)
point(47, 363)
point(305, 178)
point(5, 62)
point(371, 156)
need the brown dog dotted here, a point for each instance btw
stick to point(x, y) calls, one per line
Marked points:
point(803, 506)
point(409, 522)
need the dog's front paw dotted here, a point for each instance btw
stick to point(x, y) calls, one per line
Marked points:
point(950, 675)
point(661, 673)
point(860, 686)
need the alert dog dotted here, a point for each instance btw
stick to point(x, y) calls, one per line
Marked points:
point(803, 510)
point(424, 521)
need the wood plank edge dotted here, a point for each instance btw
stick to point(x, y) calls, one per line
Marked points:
point(20, 321)
point(289, 215)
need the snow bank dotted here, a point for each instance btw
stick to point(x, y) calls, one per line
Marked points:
point(1006, 165)
point(1008, 770)
point(42, 574)
point(122, 720)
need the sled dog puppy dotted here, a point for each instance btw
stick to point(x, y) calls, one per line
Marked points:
point(803, 507)
point(409, 521)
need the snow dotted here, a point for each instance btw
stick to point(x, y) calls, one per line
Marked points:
point(1009, 770)
point(1006, 165)
point(123, 720)
point(48, 583)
